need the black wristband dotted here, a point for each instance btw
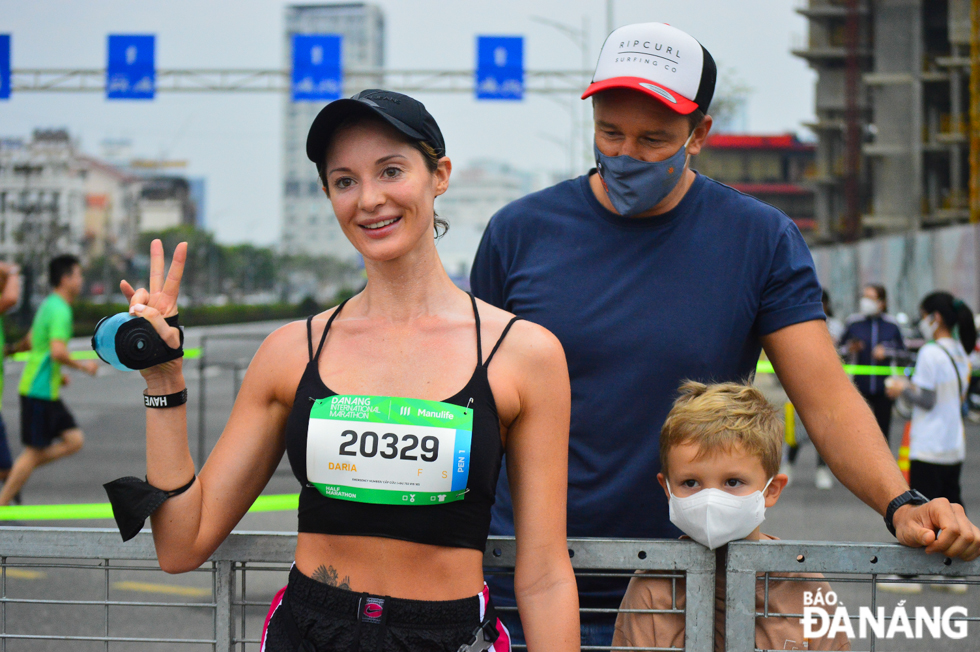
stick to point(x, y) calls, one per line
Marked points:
point(165, 400)
point(910, 497)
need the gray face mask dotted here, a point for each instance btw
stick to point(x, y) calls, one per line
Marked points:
point(634, 186)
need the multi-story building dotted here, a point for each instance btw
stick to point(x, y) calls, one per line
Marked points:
point(912, 106)
point(111, 196)
point(308, 224)
point(164, 203)
point(42, 201)
point(475, 194)
point(774, 169)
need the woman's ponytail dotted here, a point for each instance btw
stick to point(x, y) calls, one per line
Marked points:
point(956, 316)
point(965, 325)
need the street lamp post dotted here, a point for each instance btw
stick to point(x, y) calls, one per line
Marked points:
point(580, 37)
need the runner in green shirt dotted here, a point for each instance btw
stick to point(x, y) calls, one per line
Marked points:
point(47, 429)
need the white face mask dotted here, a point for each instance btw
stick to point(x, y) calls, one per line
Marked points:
point(868, 307)
point(713, 517)
point(928, 328)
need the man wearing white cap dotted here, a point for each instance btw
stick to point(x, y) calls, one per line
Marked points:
point(651, 274)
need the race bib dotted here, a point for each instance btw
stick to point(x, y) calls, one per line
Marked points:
point(389, 450)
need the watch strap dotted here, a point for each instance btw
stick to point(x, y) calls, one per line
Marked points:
point(910, 497)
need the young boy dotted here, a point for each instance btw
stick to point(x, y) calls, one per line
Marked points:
point(719, 452)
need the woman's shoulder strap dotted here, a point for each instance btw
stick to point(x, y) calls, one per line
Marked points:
point(500, 340)
point(309, 335)
point(476, 318)
point(326, 329)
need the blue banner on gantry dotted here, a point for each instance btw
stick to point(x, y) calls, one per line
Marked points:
point(131, 70)
point(499, 67)
point(5, 67)
point(317, 72)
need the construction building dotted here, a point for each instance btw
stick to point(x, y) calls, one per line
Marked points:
point(308, 223)
point(892, 107)
point(771, 168)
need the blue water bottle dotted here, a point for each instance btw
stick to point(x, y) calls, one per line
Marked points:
point(129, 343)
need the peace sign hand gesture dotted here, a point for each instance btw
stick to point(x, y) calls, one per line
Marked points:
point(160, 301)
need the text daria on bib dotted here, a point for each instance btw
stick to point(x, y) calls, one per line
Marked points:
point(389, 450)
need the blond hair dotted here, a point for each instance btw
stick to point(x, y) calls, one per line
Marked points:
point(720, 417)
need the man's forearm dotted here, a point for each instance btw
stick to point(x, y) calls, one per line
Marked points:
point(850, 441)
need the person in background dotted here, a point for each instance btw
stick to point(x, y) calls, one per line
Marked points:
point(9, 296)
point(47, 429)
point(937, 445)
point(873, 338)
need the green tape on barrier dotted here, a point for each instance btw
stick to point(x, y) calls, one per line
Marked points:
point(90, 355)
point(55, 512)
point(276, 503)
point(79, 511)
point(765, 367)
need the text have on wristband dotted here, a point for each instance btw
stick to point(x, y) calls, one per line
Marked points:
point(165, 400)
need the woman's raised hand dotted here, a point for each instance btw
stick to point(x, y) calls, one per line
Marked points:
point(161, 299)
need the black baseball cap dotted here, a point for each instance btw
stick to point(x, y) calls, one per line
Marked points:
point(404, 113)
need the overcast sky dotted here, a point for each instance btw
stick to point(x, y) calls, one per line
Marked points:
point(234, 140)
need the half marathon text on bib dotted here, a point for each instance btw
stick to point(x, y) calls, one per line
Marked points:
point(389, 450)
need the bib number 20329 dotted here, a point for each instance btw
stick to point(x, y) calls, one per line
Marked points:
point(394, 446)
point(389, 450)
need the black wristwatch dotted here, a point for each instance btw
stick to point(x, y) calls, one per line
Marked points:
point(910, 497)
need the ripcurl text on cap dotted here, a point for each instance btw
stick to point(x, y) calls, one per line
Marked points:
point(659, 60)
point(404, 113)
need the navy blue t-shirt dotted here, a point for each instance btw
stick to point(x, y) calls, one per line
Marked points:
point(640, 305)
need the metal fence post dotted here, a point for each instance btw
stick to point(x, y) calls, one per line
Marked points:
point(739, 609)
point(699, 610)
point(224, 595)
point(202, 413)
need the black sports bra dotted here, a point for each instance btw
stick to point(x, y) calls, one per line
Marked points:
point(462, 523)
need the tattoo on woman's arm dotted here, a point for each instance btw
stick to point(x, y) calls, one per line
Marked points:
point(328, 575)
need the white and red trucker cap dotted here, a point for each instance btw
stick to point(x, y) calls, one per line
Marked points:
point(659, 60)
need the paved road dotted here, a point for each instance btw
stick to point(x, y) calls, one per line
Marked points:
point(109, 410)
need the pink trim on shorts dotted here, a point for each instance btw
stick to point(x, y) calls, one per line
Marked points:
point(502, 644)
point(276, 601)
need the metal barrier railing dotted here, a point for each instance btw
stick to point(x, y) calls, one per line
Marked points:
point(222, 605)
point(851, 567)
point(203, 362)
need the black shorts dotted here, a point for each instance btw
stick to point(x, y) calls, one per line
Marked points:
point(42, 421)
point(6, 461)
point(330, 618)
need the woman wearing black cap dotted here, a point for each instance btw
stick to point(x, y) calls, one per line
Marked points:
point(397, 481)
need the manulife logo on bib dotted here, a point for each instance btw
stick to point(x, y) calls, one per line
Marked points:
point(389, 450)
